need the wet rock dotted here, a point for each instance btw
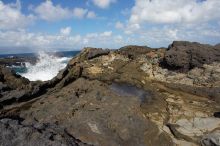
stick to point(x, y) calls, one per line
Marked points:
point(184, 56)
point(129, 90)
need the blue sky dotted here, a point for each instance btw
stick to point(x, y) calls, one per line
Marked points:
point(51, 25)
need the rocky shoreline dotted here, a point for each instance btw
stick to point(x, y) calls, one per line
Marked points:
point(133, 96)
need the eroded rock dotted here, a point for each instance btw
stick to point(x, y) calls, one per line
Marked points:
point(121, 97)
point(14, 132)
point(211, 139)
point(186, 55)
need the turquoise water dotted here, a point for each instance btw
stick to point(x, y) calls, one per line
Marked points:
point(46, 66)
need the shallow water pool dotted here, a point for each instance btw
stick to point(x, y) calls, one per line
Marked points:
point(123, 89)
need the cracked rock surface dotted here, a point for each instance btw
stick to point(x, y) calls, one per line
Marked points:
point(116, 98)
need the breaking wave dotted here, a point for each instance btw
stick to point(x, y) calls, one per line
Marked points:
point(47, 67)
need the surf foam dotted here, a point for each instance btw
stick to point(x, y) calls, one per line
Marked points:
point(46, 68)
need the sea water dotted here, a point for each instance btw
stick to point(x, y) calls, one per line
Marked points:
point(46, 67)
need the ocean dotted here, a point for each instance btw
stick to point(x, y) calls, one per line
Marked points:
point(46, 66)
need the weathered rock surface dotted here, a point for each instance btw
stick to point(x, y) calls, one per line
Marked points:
point(117, 98)
point(13, 80)
point(14, 132)
point(94, 52)
point(211, 139)
point(134, 51)
point(186, 55)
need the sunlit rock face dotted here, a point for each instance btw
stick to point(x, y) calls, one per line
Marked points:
point(118, 97)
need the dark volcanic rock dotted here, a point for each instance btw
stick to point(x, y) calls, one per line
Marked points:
point(186, 55)
point(3, 87)
point(17, 61)
point(134, 51)
point(1, 77)
point(217, 46)
point(89, 110)
point(216, 114)
point(13, 132)
point(96, 52)
point(13, 80)
point(12, 96)
point(145, 106)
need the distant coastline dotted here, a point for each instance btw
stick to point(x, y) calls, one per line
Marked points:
point(14, 55)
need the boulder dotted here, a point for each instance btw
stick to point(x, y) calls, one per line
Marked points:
point(96, 52)
point(184, 56)
point(12, 79)
point(134, 51)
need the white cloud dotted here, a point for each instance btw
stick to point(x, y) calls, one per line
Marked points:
point(37, 41)
point(51, 12)
point(159, 22)
point(132, 28)
point(91, 15)
point(103, 3)
point(65, 31)
point(11, 16)
point(154, 37)
point(92, 35)
point(118, 39)
point(119, 25)
point(178, 11)
point(106, 34)
point(20, 39)
point(79, 12)
point(105, 40)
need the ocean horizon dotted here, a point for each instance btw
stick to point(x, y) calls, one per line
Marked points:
point(39, 66)
point(34, 54)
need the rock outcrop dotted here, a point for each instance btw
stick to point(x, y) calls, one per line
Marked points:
point(14, 132)
point(186, 55)
point(17, 61)
point(96, 52)
point(117, 98)
point(11, 79)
